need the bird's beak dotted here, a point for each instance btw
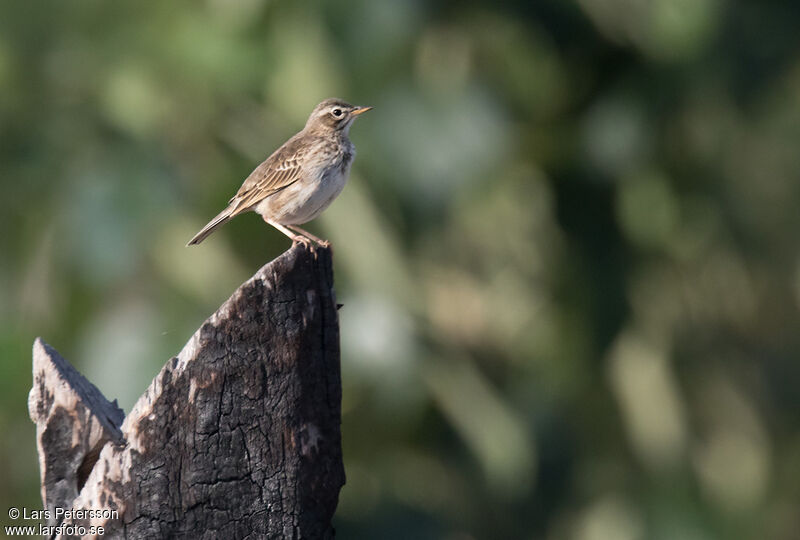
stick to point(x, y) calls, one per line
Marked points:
point(360, 110)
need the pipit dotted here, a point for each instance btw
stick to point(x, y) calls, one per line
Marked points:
point(301, 178)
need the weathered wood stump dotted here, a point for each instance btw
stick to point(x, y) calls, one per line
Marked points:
point(238, 436)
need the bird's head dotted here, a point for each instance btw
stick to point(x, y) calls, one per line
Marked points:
point(333, 115)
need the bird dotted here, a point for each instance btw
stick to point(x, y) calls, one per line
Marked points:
point(301, 178)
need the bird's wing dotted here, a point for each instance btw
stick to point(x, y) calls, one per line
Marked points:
point(280, 170)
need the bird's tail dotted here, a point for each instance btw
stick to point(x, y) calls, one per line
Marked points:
point(212, 226)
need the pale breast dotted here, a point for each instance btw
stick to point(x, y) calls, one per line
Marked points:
point(321, 182)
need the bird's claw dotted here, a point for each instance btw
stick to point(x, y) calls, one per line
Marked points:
point(306, 242)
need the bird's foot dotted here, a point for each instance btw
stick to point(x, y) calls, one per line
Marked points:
point(307, 243)
point(310, 237)
point(323, 244)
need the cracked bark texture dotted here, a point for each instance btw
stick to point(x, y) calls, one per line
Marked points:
point(237, 437)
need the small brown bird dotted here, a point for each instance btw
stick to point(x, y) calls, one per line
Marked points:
point(301, 178)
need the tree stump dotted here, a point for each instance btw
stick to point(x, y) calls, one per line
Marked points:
point(237, 436)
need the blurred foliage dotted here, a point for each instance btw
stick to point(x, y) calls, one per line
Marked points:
point(568, 252)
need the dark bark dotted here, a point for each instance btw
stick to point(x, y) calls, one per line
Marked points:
point(238, 436)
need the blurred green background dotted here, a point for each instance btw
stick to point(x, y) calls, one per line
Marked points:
point(568, 251)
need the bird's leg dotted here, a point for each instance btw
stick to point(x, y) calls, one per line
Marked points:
point(295, 237)
point(320, 241)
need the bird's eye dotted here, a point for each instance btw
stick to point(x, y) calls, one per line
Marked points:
point(337, 112)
